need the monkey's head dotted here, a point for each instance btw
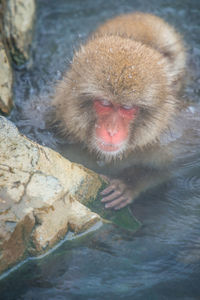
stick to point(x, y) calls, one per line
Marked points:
point(116, 97)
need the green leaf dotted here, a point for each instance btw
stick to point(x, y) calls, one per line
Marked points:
point(122, 218)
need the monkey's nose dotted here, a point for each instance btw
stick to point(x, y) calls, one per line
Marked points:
point(112, 131)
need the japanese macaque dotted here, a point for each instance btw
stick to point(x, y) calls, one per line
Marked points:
point(119, 97)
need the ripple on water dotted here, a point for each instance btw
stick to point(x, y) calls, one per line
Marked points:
point(191, 184)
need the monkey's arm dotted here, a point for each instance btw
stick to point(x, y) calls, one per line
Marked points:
point(127, 187)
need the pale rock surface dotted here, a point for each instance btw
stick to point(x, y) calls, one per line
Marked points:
point(18, 20)
point(16, 34)
point(40, 195)
point(6, 80)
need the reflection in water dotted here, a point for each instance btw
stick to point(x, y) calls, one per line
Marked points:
point(160, 261)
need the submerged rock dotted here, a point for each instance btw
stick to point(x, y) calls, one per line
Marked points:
point(39, 197)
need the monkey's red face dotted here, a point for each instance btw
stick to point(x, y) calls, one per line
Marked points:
point(112, 126)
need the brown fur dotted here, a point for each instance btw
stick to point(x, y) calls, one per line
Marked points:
point(151, 31)
point(131, 59)
point(135, 60)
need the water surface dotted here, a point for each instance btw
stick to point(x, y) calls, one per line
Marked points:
point(162, 260)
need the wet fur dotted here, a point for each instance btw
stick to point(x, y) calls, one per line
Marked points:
point(134, 59)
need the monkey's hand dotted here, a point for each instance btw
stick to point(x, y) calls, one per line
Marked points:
point(117, 194)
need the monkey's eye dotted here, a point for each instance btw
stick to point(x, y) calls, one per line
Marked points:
point(102, 106)
point(105, 102)
point(128, 111)
point(127, 107)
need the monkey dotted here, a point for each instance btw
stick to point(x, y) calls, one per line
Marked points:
point(119, 97)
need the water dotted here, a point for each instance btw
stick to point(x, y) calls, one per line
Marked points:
point(162, 260)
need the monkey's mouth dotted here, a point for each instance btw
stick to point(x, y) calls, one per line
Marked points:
point(109, 147)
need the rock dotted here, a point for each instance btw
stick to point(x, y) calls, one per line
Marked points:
point(39, 197)
point(18, 20)
point(16, 33)
point(6, 80)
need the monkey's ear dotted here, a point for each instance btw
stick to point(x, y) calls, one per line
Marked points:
point(51, 122)
point(173, 75)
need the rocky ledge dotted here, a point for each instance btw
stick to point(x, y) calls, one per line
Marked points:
point(40, 197)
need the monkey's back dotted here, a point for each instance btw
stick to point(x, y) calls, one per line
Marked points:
point(151, 31)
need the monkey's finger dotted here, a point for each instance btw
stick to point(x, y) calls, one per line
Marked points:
point(126, 202)
point(112, 196)
point(115, 203)
point(108, 190)
point(104, 177)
